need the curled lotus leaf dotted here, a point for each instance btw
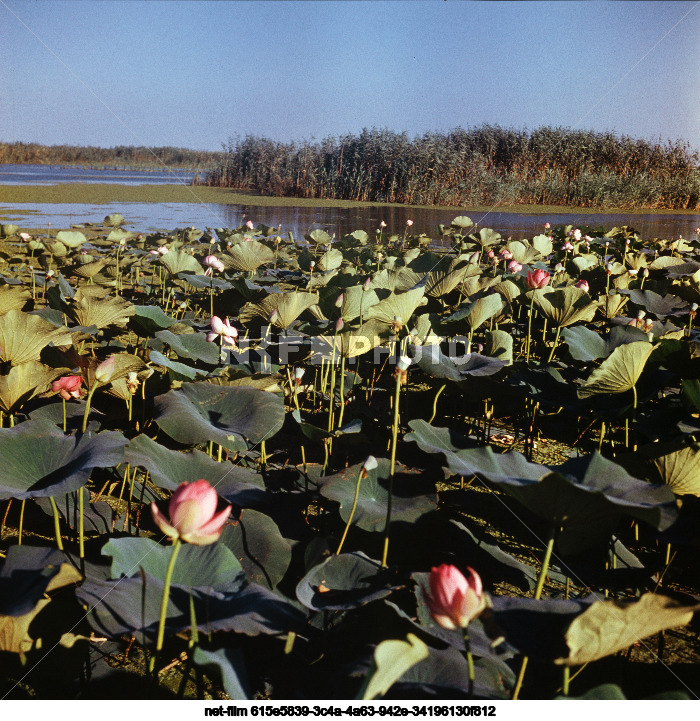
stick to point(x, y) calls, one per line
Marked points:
point(659, 305)
point(357, 301)
point(288, 307)
point(478, 311)
point(113, 220)
point(608, 626)
point(247, 256)
point(22, 336)
point(499, 345)
point(88, 270)
point(485, 237)
point(330, 260)
point(680, 469)
point(542, 244)
point(565, 306)
point(611, 305)
point(443, 281)
point(392, 658)
point(523, 252)
point(399, 306)
point(39, 460)
point(13, 298)
point(422, 332)
point(203, 412)
point(396, 281)
point(462, 221)
point(619, 372)
point(431, 360)
point(178, 261)
point(318, 236)
point(86, 311)
point(350, 343)
point(26, 381)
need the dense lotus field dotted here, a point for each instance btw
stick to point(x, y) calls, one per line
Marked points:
point(236, 463)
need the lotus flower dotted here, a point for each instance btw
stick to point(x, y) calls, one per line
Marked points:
point(514, 266)
point(193, 516)
point(453, 599)
point(547, 226)
point(68, 387)
point(223, 329)
point(213, 263)
point(250, 225)
point(583, 285)
point(538, 278)
point(409, 223)
point(105, 371)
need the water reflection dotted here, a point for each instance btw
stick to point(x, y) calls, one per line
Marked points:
point(338, 221)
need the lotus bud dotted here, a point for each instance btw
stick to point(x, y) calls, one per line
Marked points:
point(339, 324)
point(491, 254)
point(633, 272)
point(105, 371)
point(641, 314)
point(583, 285)
point(163, 249)
point(409, 223)
point(454, 600)
point(366, 285)
point(25, 236)
point(609, 268)
point(547, 226)
point(312, 264)
point(558, 268)
point(382, 224)
point(645, 272)
point(274, 315)
point(298, 375)
point(132, 382)
point(538, 278)
point(588, 239)
point(697, 231)
point(370, 463)
point(68, 387)
point(340, 300)
point(122, 241)
point(514, 266)
point(567, 247)
point(249, 224)
point(650, 336)
point(693, 307)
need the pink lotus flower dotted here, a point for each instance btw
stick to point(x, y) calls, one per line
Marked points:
point(514, 266)
point(193, 516)
point(409, 223)
point(25, 236)
point(249, 224)
point(547, 226)
point(567, 246)
point(505, 254)
point(583, 285)
point(105, 371)
point(213, 263)
point(68, 387)
point(223, 329)
point(538, 278)
point(454, 600)
point(382, 224)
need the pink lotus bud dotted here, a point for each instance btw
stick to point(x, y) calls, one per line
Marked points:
point(491, 254)
point(547, 226)
point(249, 224)
point(163, 249)
point(558, 268)
point(25, 236)
point(193, 516)
point(567, 246)
point(340, 300)
point(583, 285)
point(409, 223)
point(454, 600)
point(538, 278)
point(645, 272)
point(514, 266)
point(382, 224)
point(223, 329)
point(274, 315)
point(105, 371)
point(339, 325)
point(366, 285)
point(213, 263)
point(68, 387)
point(505, 254)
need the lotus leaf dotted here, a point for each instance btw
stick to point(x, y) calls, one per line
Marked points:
point(247, 256)
point(88, 270)
point(39, 460)
point(396, 281)
point(22, 336)
point(230, 662)
point(203, 412)
point(542, 244)
point(318, 236)
point(619, 372)
point(148, 319)
point(113, 220)
point(71, 238)
point(24, 382)
point(397, 305)
point(462, 221)
point(330, 260)
point(565, 306)
point(356, 300)
point(13, 298)
point(350, 343)
point(193, 346)
point(499, 345)
point(611, 305)
point(522, 252)
point(441, 282)
point(431, 360)
point(392, 659)
point(477, 311)
point(289, 306)
point(660, 306)
point(178, 261)
point(587, 345)
point(680, 469)
point(101, 313)
point(608, 626)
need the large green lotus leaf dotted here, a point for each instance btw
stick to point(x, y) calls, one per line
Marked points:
point(345, 581)
point(330, 260)
point(508, 290)
point(178, 371)
point(611, 305)
point(462, 221)
point(522, 252)
point(289, 307)
point(204, 412)
point(148, 319)
point(8, 229)
point(608, 626)
point(443, 281)
point(26, 381)
point(113, 220)
point(584, 262)
point(318, 236)
point(247, 256)
point(392, 659)
point(71, 238)
point(397, 305)
point(587, 345)
point(193, 346)
point(542, 244)
point(660, 306)
point(214, 565)
point(565, 306)
point(168, 469)
point(178, 261)
point(680, 469)
point(101, 313)
point(478, 311)
point(203, 282)
point(422, 332)
point(396, 281)
point(38, 459)
point(413, 495)
point(88, 270)
point(499, 345)
point(427, 261)
point(356, 300)
point(350, 343)
point(257, 542)
point(486, 237)
point(22, 336)
point(13, 298)
point(619, 372)
point(431, 360)
point(230, 664)
point(119, 234)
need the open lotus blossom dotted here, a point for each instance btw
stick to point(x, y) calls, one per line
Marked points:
point(505, 254)
point(382, 224)
point(409, 223)
point(68, 387)
point(250, 225)
point(547, 226)
point(514, 266)
point(25, 236)
point(222, 329)
point(454, 600)
point(567, 246)
point(213, 263)
point(583, 285)
point(193, 516)
point(538, 278)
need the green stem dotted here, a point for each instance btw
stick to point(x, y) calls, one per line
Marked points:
point(64, 414)
point(529, 327)
point(470, 662)
point(352, 511)
point(81, 529)
point(394, 434)
point(164, 602)
point(56, 524)
point(342, 392)
point(88, 400)
point(21, 522)
point(556, 340)
point(437, 395)
point(566, 679)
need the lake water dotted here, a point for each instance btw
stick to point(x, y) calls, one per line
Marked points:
point(298, 220)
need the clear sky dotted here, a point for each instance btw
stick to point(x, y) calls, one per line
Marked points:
point(193, 74)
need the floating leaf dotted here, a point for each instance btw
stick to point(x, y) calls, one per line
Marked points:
point(565, 306)
point(392, 659)
point(619, 372)
point(247, 256)
point(71, 238)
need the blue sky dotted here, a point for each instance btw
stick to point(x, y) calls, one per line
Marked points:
point(194, 74)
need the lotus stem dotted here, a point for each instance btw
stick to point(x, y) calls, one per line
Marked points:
point(164, 603)
point(352, 510)
point(529, 327)
point(565, 680)
point(394, 435)
point(64, 414)
point(21, 522)
point(81, 529)
point(470, 661)
point(437, 395)
point(342, 392)
point(88, 401)
point(554, 347)
point(538, 594)
point(602, 435)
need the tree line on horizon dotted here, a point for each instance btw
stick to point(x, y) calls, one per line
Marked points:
point(479, 166)
point(121, 156)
